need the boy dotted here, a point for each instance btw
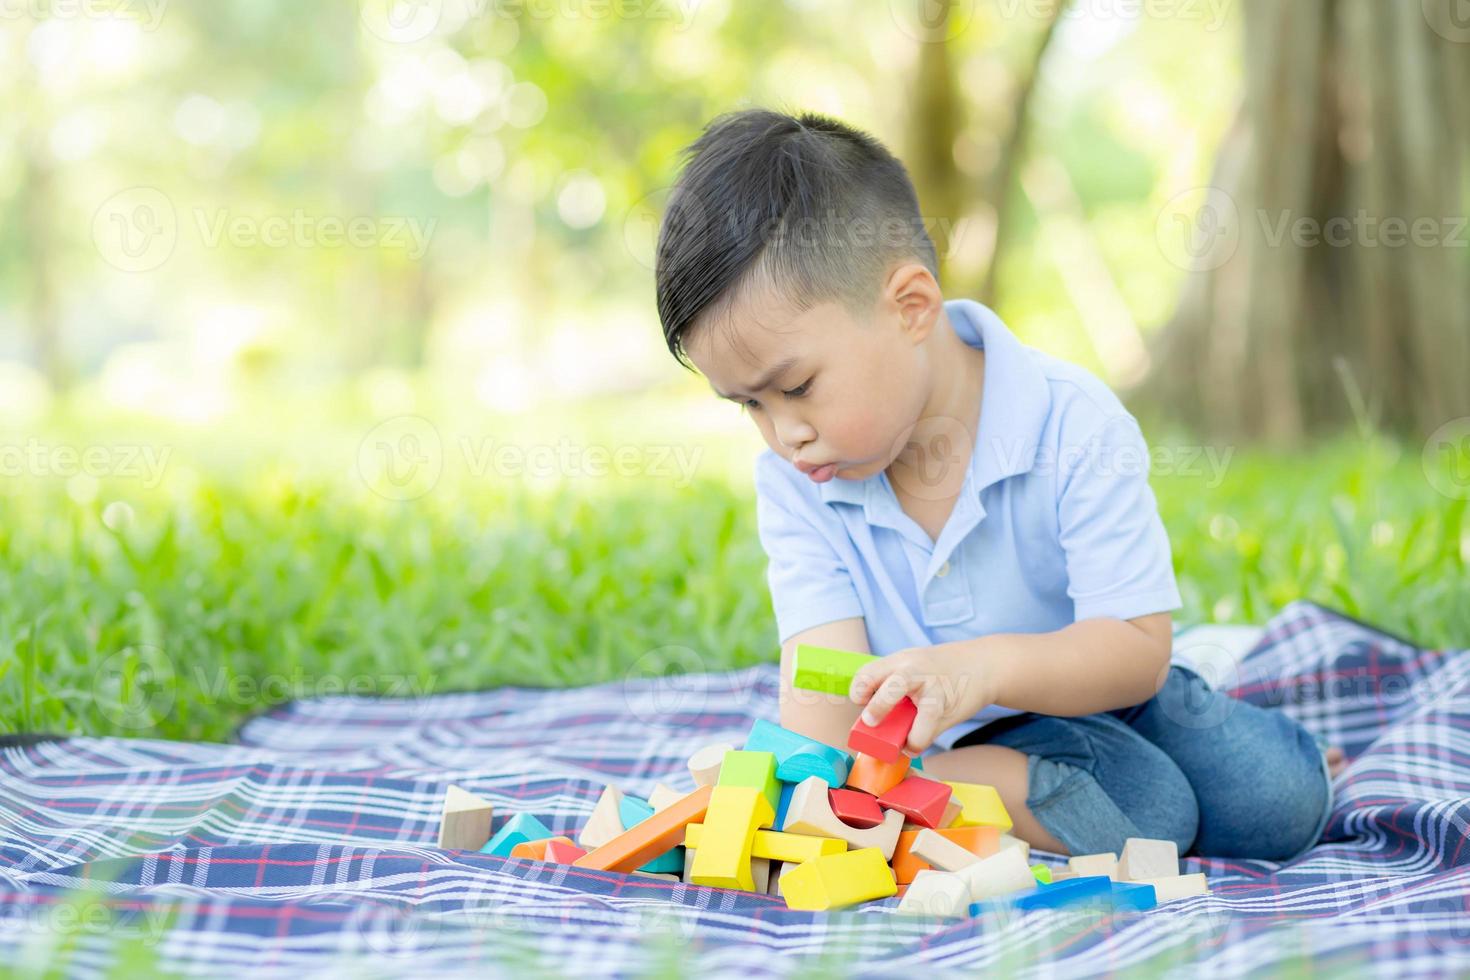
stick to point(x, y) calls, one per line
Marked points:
point(974, 510)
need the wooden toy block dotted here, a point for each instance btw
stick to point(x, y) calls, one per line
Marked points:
point(1062, 874)
point(669, 863)
point(827, 670)
point(885, 740)
point(1176, 887)
point(520, 828)
point(534, 850)
point(776, 845)
point(760, 874)
point(1143, 857)
point(778, 868)
point(688, 862)
point(1006, 840)
point(1042, 874)
point(797, 756)
point(936, 893)
point(633, 811)
point(835, 881)
point(855, 808)
point(723, 858)
point(662, 796)
point(657, 835)
point(941, 853)
point(660, 875)
point(464, 820)
point(786, 790)
point(920, 800)
point(606, 821)
point(810, 813)
point(872, 775)
point(952, 812)
point(982, 806)
point(1003, 873)
point(560, 850)
point(980, 841)
point(756, 770)
point(1090, 865)
point(1088, 890)
point(1132, 895)
point(704, 765)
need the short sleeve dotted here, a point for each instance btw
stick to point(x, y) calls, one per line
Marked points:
point(1117, 552)
point(809, 582)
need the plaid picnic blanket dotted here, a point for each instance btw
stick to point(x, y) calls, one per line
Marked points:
point(310, 844)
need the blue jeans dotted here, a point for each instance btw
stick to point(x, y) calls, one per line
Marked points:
point(1217, 776)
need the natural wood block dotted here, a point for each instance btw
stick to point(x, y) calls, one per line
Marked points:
point(1003, 873)
point(760, 874)
point(981, 805)
point(723, 858)
point(606, 821)
point(776, 845)
point(855, 808)
point(809, 813)
point(657, 874)
point(464, 820)
point(936, 893)
point(1177, 886)
point(662, 796)
point(920, 800)
point(1006, 840)
point(1144, 857)
point(940, 852)
point(952, 812)
point(778, 868)
point(872, 775)
point(885, 740)
point(980, 841)
point(1089, 865)
point(661, 832)
point(835, 881)
point(704, 765)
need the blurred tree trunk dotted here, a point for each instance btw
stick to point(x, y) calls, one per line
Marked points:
point(937, 120)
point(1332, 275)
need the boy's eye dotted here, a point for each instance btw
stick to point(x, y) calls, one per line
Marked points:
point(799, 390)
point(750, 405)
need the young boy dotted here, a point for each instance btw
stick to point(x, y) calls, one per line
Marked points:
point(974, 510)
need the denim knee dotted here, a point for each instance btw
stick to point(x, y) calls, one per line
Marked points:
point(1078, 810)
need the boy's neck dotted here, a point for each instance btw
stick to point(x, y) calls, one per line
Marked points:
point(950, 420)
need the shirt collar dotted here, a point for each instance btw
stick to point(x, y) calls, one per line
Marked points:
point(1013, 408)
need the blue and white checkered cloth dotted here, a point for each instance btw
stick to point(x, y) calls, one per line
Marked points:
point(309, 846)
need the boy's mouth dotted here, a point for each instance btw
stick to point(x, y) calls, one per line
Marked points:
point(818, 474)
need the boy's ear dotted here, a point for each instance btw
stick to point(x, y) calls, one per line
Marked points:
point(914, 297)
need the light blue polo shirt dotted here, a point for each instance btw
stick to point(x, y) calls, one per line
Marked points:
point(1055, 522)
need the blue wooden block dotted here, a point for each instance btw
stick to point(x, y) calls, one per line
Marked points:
point(797, 756)
point(521, 827)
point(634, 811)
point(669, 862)
point(917, 762)
point(1133, 895)
point(786, 790)
point(1065, 894)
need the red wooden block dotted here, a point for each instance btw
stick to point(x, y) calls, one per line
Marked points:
point(921, 800)
point(886, 739)
point(559, 850)
point(856, 808)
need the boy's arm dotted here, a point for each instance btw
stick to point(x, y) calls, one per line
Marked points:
point(825, 717)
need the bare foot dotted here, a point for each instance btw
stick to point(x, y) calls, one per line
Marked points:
point(1336, 761)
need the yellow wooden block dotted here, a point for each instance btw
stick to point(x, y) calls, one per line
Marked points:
point(835, 881)
point(980, 806)
point(723, 858)
point(776, 845)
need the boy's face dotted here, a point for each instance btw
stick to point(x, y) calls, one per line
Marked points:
point(837, 395)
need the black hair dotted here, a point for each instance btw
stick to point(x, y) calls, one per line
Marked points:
point(804, 205)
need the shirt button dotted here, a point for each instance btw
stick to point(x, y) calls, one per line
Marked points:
point(943, 570)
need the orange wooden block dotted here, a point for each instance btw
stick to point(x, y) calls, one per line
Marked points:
point(872, 775)
point(535, 849)
point(649, 838)
point(981, 841)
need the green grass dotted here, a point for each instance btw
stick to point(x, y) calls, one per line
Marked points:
point(181, 610)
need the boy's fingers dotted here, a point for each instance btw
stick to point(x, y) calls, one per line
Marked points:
point(890, 692)
point(867, 680)
point(925, 723)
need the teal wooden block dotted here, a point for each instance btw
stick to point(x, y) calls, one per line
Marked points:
point(1134, 895)
point(797, 756)
point(1066, 894)
point(669, 862)
point(786, 790)
point(634, 811)
point(521, 827)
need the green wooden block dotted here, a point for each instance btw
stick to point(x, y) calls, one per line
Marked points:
point(1042, 873)
point(827, 670)
point(755, 770)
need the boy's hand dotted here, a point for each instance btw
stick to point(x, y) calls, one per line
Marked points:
point(946, 688)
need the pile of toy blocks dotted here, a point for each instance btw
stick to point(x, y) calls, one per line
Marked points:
point(790, 816)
